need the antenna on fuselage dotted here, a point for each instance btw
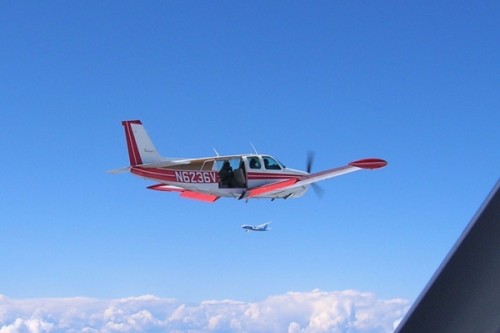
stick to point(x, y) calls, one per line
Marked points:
point(254, 150)
point(216, 152)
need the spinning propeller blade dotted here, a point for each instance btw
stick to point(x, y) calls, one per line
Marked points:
point(317, 189)
point(310, 158)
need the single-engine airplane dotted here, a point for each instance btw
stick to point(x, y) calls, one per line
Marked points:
point(207, 179)
point(260, 227)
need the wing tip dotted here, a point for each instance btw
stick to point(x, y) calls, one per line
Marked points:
point(369, 163)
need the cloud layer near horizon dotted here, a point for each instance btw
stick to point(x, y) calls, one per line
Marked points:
point(316, 311)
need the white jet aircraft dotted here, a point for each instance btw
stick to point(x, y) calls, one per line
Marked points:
point(260, 227)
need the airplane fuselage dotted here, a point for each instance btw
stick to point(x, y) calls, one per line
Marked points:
point(238, 176)
point(248, 227)
point(204, 175)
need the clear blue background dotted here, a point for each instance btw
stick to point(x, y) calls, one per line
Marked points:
point(414, 82)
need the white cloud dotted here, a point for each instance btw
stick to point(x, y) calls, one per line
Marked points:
point(294, 312)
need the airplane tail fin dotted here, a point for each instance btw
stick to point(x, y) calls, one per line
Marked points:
point(140, 147)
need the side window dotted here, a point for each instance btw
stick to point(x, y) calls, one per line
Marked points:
point(233, 164)
point(254, 163)
point(271, 163)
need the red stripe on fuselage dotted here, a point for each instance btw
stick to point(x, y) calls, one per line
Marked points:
point(178, 176)
point(203, 177)
point(155, 173)
point(272, 176)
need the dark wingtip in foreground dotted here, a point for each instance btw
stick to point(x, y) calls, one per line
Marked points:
point(463, 296)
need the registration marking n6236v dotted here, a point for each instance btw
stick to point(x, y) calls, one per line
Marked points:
point(196, 176)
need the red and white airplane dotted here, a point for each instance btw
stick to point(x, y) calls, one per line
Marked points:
point(236, 176)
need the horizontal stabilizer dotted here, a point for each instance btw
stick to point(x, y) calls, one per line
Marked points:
point(120, 170)
point(166, 188)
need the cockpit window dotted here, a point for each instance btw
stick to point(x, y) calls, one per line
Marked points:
point(254, 163)
point(270, 163)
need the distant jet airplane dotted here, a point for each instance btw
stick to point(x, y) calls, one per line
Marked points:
point(260, 227)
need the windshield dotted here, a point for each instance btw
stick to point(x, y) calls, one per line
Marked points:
point(270, 163)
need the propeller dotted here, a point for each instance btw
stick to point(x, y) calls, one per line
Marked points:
point(317, 189)
point(310, 159)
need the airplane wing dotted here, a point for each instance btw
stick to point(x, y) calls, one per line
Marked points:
point(463, 296)
point(369, 163)
point(263, 224)
point(260, 190)
point(185, 193)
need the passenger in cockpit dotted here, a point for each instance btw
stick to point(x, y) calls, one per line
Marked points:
point(226, 175)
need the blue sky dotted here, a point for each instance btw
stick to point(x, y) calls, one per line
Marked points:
point(415, 83)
